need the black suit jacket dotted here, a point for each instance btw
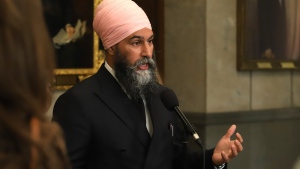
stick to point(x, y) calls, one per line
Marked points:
point(105, 130)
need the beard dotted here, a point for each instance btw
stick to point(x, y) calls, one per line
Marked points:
point(137, 83)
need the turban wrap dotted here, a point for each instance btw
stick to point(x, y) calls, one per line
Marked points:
point(115, 20)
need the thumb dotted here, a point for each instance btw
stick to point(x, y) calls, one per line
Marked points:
point(230, 132)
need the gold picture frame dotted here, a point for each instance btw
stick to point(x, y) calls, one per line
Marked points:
point(66, 77)
point(268, 35)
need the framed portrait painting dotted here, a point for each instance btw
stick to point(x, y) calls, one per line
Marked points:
point(268, 35)
point(78, 49)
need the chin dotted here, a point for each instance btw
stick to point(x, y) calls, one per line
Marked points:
point(143, 72)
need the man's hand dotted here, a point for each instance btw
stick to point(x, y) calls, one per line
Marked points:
point(226, 149)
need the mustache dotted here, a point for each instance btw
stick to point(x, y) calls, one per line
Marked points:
point(144, 60)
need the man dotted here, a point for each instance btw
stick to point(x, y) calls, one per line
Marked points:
point(115, 119)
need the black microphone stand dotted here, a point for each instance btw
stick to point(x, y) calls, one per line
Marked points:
point(191, 130)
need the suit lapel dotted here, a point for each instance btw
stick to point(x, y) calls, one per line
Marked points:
point(157, 115)
point(114, 97)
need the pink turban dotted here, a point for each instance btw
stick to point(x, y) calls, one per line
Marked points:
point(117, 19)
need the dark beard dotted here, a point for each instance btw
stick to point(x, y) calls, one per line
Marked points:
point(135, 84)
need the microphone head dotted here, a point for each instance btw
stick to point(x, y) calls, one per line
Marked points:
point(169, 99)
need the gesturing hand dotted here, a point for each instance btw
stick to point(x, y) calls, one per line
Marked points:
point(226, 149)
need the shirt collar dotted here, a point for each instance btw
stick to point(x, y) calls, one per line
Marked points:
point(111, 70)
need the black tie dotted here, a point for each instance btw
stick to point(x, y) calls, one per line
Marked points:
point(140, 106)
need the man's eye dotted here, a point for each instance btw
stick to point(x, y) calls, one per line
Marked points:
point(136, 43)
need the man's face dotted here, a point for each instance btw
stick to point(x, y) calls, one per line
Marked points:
point(137, 45)
point(134, 66)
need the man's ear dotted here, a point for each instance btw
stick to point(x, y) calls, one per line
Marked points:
point(111, 50)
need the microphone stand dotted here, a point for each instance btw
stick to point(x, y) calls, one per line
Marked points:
point(191, 129)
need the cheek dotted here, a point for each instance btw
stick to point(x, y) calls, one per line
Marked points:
point(132, 54)
point(133, 57)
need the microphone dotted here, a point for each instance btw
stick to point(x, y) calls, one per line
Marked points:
point(169, 99)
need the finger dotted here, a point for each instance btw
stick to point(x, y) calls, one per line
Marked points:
point(239, 137)
point(224, 156)
point(230, 131)
point(238, 146)
point(233, 151)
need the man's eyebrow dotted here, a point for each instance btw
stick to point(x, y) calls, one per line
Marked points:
point(141, 37)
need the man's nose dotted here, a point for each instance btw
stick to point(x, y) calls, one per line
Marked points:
point(147, 50)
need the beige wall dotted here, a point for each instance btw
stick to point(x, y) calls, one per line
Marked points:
point(185, 61)
point(55, 95)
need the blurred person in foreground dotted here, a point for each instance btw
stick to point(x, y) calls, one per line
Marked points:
point(115, 119)
point(28, 140)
